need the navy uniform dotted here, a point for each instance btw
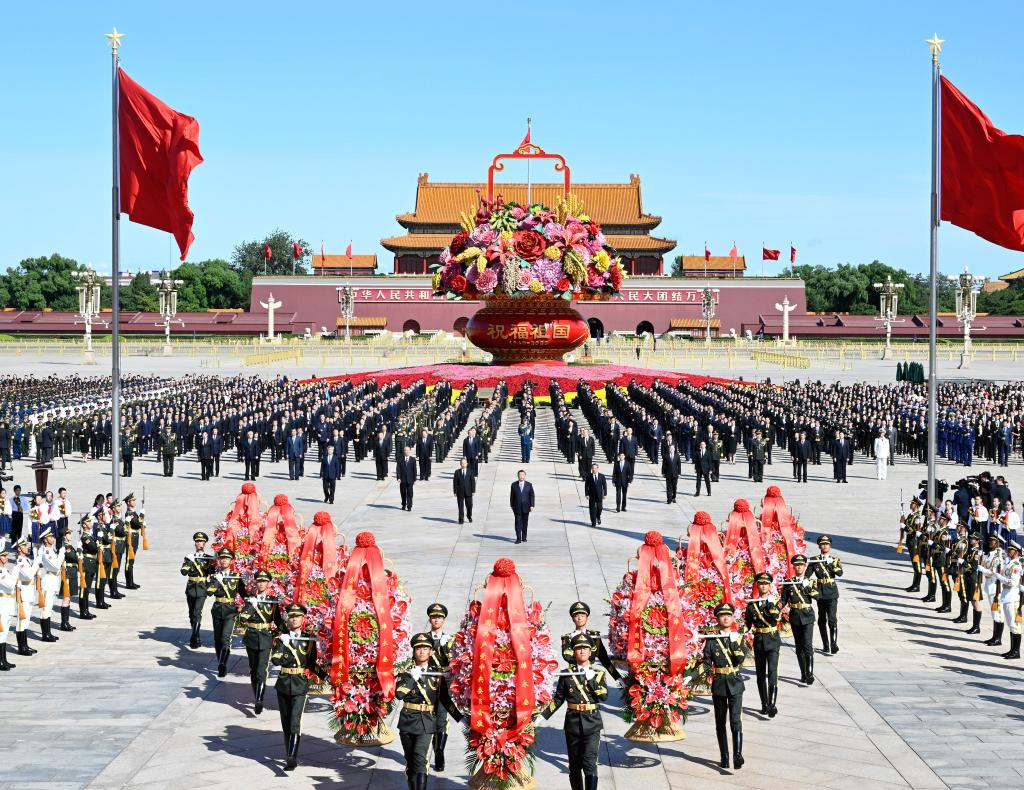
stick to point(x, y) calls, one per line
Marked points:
point(196, 568)
point(440, 658)
point(424, 695)
point(724, 656)
point(296, 654)
point(8, 604)
point(582, 688)
point(133, 527)
point(826, 571)
point(225, 588)
point(762, 618)
point(598, 652)
point(911, 533)
point(261, 618)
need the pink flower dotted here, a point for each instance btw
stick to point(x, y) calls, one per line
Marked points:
point(487, 281)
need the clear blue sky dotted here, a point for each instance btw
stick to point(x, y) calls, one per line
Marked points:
point(802, 122)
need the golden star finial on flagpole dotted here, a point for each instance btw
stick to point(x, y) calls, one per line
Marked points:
point(114, 39)
point(935, 43)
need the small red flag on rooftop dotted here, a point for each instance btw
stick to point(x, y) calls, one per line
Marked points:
point(267, 252)
point(792, 254)
point(769, 255)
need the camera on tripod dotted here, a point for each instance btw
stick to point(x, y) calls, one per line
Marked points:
point(941, 487)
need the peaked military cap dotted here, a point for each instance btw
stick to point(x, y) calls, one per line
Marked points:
point(201, 536)
point(798, 559)
point(421, 640)
point(579, 607)
point(262, 576)
point(763, 578)
point(295, 609)
point(225, 553)
point(46, 533)
point(724, 608)
point(437, 610)
point(824, 540)
point(581, 640)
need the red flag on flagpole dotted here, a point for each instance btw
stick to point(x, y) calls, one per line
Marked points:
point(323, 255)
point(526, 140)
point(348, 251)
point(707, 253)
point(769, 255)
point(792, 254)
point(158, 149)
point(982, 172)
point(733, 253)
point(267, 253)
point(296, 250)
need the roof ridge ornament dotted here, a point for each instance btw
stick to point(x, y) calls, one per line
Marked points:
point(527, 150)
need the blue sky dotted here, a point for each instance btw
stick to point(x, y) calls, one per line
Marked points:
point(747, 122)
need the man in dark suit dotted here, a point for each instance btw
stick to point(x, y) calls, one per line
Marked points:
point(596, 488)
point(330, 471)
point(381, 453)
point(628, 447)
point(671, 468)
point(340, 443)
point(251, 455)
point(586, 447)
point(521, 500)
point(406, 474)
point(205, 453)
point(46, 443)
point(472, 451)
point(702, 467)
point(842, 452)
point(622, 476)
point(217, 443)
point(802, 453)
point(296, 448)
point(424, 453)
point(464, 486)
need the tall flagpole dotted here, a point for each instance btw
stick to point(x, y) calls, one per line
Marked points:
point(935, 44)
point(115, 278)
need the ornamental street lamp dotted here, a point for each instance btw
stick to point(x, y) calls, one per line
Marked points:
point(888, 297)
point(968, 286)
point(347, 301)
point(88, 287)
point(707, 309)
point(168, 289)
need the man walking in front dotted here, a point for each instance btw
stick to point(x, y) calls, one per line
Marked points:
point(622, 476)
point(406, 474)
point(521, 500)
point(702, 467)
point(464, 486)
point(596, 488)
point(330, 471)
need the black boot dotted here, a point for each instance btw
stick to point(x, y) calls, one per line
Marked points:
point(947, 597)
point(65, 619)
point(100, 603)
point(997, 635)
point(222, 662)
point(915, 585)
point(113, 589)
point(293, 753)
point(261, 689)
point(931, 591)
point(723, 748)
point(823, 631)
point(83, 609)
point(440, 739)
point(47, 633)
point(962, 617)
point(4, 663)
point(762, 693)
point(590, 782)
point(773, 698)
point(23, 648)
point(975, 623)
point(810, 669)
point(419, 781)
point(803, 666)
point(195, 642)
point(1014, 651)
point(737, 749)
point(833, 631)
point(129, 579)
point(575, 779)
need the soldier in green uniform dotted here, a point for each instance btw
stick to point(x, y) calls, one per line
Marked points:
point(91, 558)
point(826, 570)
point(127, 454)
point(133, 528)
point(724, 655)
point(969, 587)
point(296, 654)
point(72, 572)
point(108, 557)
point(581, 688)
point(424, 694)
point(440, 442)
point(225, 587)
point(168, 449)
point(911, 531)
point(926, 550)
point(440, 657)
point(797, 593)
point(119, 533)
point(196, 569)
point(941, 559)
point(762, 618)
point(261, 617)
point(580, 614)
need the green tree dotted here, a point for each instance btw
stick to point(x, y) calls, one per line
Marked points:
point(42, 282)
point(249, 255)
point(140, 295)
point(222, 285)
point(192, 292)
point(677, 267)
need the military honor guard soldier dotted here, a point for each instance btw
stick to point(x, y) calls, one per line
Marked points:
point(797, 593)
point(1010, 597)
point(440, 658)
point(580, 614)
point(826, 570)
point(262, 618)
point(8, 604)
point(196, 568)
point(296, 654)
point(225, 588)
point(762, 618)
point(724, 655)
point(581, 689)
point(51, 566)
point(25, 569)
point(423, 691)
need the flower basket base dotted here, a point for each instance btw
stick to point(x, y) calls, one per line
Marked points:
point(642, 732)
point(380, 736)
point(517, 781)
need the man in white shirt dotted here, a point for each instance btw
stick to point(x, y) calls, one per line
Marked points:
point(881, 449)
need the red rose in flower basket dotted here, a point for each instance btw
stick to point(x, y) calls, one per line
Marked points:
point(369, 642)
point(653, 628)
point(502, 668)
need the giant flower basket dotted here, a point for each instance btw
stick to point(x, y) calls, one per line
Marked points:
point(708, 580)
point(242, 532)
point(316, 580)
point(653, 629)
point(503, 667)
point(782, 537)
point(369, 644)
point(530, 263)
point(746, 558)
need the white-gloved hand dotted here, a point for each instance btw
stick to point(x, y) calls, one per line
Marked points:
point(285, 639)
point(416, 673)
point(589, 673)
point(807, 582)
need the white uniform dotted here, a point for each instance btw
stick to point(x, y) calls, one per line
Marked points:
point(881, 457)
point(26, 571)
point(8, 603)
point(987, 567)
point(50, 563)
point(1009, 596)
